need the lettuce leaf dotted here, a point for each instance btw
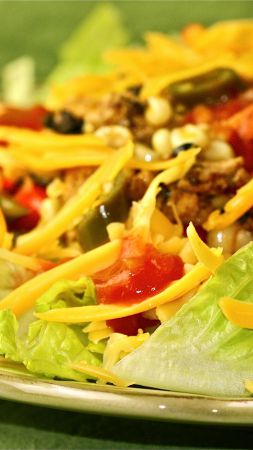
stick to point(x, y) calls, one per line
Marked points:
point(8, 332)
point(101, 30)
point(199, 350)
point(67, 293)
point(50, 347)
point(18, 82)
point(47, 349)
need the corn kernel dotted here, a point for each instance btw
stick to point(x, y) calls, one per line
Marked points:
point(188, 133)
point(144, 153)
point(114, 136)
point(218, 151)
point(161, 142)
point(158, 112)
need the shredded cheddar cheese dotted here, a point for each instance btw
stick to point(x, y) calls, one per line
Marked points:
point(3, 228)
point(100, 373)
point(210, 258)
point(28, 262)
point(32, 242)
point(106, 312)
point(143, 210)
point(119, 345)
point(24, 297)
point(238, 312)
point(233, 209)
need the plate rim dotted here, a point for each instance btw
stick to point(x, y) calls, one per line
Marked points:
point(134, 402)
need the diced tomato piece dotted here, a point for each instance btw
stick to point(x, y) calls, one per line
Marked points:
point(30, 196)
point(137, 276)
point(131, 324)
point(32, 118)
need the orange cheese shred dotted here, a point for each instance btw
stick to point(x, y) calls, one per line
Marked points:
point(238, 312)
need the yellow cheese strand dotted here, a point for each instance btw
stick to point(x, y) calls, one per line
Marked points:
point(21, 260)
point(119, 345)
point(48, 159)
point(210, 258)
point(98, 372)
point(144, 209)
point(238, 312)
point(233, 209)
point(249, 385)
point(24, 297)
point(47, 139)
point(156, 84)
point(106, 312)
point(99, 335)
point(3, 228)
point(51, 161)
point(32, 242)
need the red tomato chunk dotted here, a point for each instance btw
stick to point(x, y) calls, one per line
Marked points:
point(141, 272)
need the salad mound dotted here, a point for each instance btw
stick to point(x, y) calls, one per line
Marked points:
point(126, 220)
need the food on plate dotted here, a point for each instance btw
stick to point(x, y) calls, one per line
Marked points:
point(126, 221)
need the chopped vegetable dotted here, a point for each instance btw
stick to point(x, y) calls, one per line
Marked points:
point(198, 350)
point(114, 207)
point(206, 88)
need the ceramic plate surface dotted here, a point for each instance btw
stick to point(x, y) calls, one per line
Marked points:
point(129, 402)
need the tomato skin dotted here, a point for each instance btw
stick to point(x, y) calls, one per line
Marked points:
point(131, 324)
point(235, 119)
point(32, 118)
point(30, 196)
point(8, 185)
point(133, 279)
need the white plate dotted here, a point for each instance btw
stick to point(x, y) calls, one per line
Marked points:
point(129, 402)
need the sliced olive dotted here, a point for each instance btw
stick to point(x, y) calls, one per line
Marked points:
point(206, 88)
point(64, 122)
point(12, 209)
point(114, 207)
point(183, 148)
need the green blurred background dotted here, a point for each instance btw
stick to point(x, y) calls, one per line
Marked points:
point(38, 28)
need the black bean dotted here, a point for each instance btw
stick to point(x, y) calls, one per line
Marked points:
point(183, 148)
point(64, 122)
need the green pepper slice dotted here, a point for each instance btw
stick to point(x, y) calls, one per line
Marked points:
point(206, 88)
point(114, 207)
point(12, 209)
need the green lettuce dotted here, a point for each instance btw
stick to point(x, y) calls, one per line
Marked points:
point(199, 350)
point(101, 30)
point(8, 335)
point(67, 293)
point(47, 348)
point(51, 347)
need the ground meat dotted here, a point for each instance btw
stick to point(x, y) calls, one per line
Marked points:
point(115, 109)
point(207, 186)
point(190, 207)
point(138, 183)
point(215, 178)
point(246, 221)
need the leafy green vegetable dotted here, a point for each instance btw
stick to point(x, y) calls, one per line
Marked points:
point(101, 30)
point(67, 293)
point(47, 349)
point(18, 82)
point(199, 350)
point(50, 347)
point(8, 331)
